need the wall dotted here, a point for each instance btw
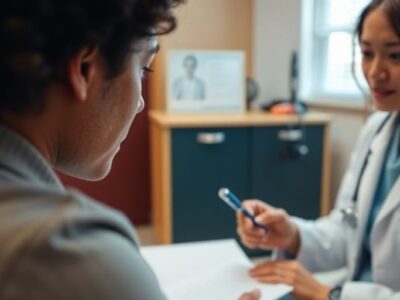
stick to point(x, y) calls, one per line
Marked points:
point(276, 35)
point(204, 24)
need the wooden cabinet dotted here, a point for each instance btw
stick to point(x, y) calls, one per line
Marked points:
point(294, 184)
point(194, 155)
point(198, 170)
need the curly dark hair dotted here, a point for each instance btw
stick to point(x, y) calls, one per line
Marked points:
point(38, 37)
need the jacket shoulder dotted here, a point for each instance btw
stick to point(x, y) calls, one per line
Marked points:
point(56, 244)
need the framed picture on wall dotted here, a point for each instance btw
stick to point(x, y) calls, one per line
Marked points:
point(205, 81)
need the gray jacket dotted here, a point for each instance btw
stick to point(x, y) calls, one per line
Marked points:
point(58, 244)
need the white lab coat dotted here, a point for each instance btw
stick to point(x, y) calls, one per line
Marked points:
point(328, 243)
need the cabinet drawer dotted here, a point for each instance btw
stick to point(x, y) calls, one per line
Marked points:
point(203, 160)
point(293, 184)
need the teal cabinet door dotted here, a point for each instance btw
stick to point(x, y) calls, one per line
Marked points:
point(203, 160)
point(292, 184)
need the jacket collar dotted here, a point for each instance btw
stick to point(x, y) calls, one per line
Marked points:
point(21, 162)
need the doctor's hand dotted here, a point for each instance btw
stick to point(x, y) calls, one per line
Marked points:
point(283, 233)
point(291, 272)
point(253, 295)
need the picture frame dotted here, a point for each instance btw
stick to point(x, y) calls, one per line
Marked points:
point(205, 81)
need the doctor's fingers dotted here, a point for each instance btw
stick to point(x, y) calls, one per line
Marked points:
point(291, 272)
point(276, 215)
point(275, 276)
point(256, 206)
point(248, 226)
point(251, 241)
point(281, 271)
point(276, 267)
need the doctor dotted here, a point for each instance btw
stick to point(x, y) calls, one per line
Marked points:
point(363, 231)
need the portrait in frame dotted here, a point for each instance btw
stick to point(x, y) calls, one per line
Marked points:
point(200, 81)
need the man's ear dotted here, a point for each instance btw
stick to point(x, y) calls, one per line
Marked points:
point(81, 70)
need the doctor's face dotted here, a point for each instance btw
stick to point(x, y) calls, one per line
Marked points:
point(380, 46)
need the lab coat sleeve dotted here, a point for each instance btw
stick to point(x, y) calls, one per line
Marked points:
point(367, 290)
point(323, 243)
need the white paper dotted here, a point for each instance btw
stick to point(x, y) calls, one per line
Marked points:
point(176, 262)
point(206, 270)
point(228, 281)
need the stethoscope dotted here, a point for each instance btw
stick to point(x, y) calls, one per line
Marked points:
point(350, 216)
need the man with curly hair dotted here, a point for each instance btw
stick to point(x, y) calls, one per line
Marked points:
point(70, 87)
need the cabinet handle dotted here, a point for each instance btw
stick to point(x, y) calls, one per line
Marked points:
point(211, 138)
point(290, 135)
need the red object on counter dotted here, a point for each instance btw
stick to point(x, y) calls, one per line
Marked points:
point(282, 109)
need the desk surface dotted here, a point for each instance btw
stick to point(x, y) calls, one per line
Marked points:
point(170, 262)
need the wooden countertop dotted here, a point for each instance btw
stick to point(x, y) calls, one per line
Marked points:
point(258, 118)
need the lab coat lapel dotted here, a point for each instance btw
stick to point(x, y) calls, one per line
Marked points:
point(369, 182)
point(391, 202)
point(393, 198)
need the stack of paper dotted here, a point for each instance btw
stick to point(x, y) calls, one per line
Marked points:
point(206, 270)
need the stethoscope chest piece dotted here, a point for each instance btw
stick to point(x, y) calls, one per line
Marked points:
point(350, 213)
point(349, 216)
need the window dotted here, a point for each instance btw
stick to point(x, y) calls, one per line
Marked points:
point(327, 50)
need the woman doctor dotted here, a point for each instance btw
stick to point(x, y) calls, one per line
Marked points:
point(363, 231)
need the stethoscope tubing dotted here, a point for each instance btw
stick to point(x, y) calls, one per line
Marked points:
point(350, 213)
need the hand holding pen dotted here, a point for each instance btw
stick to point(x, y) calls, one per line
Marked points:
point(229, 198)
point(282, 231)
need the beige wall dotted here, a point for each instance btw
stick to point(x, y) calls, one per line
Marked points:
point(276, 36)
point(205, 24)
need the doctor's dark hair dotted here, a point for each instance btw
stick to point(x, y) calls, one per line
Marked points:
point(39, 37)
point(391, 8)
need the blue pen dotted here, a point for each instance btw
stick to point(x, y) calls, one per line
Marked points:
point(229, 198)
